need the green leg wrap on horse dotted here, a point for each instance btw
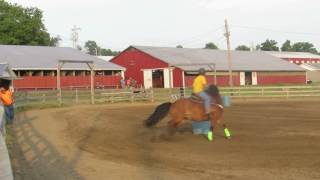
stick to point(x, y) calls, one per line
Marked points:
point(210, 135)
point(227, 132)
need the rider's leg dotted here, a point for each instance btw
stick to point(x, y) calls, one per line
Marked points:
point(207, 101)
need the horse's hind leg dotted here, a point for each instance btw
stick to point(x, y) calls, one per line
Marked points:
point(174, 123)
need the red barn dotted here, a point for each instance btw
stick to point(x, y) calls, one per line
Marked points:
point(149, 66)
point(296, 57)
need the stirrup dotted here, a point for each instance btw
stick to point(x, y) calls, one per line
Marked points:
point(208, 116)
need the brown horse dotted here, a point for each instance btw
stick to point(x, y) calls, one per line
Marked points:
point(189, 108)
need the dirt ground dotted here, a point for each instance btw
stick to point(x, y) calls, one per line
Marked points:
point(270, 140)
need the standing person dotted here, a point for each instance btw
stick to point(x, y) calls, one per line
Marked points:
point(122, 83)
point(199, 85)
point(6, 96)
point(129, 82)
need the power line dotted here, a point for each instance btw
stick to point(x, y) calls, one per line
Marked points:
point(196, 37)
point(276, 30)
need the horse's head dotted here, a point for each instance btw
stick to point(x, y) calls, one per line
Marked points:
point(213, 91)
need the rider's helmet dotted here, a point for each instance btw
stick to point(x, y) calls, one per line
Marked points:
point(202, 71)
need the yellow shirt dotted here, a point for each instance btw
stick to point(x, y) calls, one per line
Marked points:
point(199, 84)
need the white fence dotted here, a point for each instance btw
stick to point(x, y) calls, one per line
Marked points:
point(5, 165)
point(158, 95)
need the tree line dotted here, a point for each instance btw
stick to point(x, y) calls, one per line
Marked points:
point(271, 45)
point(92, 48)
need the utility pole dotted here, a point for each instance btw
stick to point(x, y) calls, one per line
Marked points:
point(96, 51)
point(227, 34)
point(75, 36)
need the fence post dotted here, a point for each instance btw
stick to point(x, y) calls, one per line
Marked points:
point(152, 94)
point(132, 96)
point(77, 97)
point(262, 91)
point(43, 98)
point(59, 97)
point(112, 91)
point(182, 93)
point(27, 98)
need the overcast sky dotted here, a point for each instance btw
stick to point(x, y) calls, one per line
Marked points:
point(116, 24)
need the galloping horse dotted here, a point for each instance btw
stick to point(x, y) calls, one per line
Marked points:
point(191, 108)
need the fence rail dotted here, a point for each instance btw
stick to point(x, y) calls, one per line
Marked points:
point(80, 96)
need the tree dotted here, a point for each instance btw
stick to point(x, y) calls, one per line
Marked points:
point(22, 26)
point(211, 45)
point(243, 48)
point(269, 45)
point(106, 52)
point(54, 41)
point(109, 52)
point(258, 47)
point(179, 46)
point(286, 46)
point(92, 47)
point(304, 47)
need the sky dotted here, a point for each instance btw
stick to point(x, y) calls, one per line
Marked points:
point(117, 24)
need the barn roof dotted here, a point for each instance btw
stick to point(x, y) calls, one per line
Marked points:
point(46, 58)
point(311, 66)
point(300, 55)
point(241, 60)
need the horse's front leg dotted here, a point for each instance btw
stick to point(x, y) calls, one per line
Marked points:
point(226, 131)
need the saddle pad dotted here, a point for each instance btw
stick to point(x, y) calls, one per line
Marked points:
point(197, 99)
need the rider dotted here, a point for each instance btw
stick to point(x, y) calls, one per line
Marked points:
point(199, 85)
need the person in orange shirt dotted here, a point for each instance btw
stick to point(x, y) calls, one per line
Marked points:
point(199, 86)
point(6, 97)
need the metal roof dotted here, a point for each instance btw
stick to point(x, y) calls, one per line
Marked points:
point(241, 60)
point(300, 55)
point(46, 58)
point(6, 72)
point(106, 58)
point(311, 66)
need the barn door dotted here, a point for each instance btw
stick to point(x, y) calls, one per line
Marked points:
point(147, 78)
point(166, 78)
point(254, 78)
point(242, 79)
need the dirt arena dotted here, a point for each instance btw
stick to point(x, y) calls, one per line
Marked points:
point(271, 140)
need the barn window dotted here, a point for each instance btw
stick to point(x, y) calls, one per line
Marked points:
point(302, 61)
point(291, 61)
point(297, 61)
point(313, 61)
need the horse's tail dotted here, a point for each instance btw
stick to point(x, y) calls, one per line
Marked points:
point(161, 111)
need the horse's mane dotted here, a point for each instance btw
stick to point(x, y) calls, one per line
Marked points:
point(213, 91)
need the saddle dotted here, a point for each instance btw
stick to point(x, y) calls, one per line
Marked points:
point(197, 99)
